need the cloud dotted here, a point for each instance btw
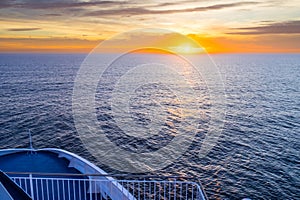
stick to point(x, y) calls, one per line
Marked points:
point(5, 4)
point(143, 11)
point(174, 3)
point(130, 9)
point(23, 29)
point(47, 45)
point(54, 4)
point(280, 43)
point(288, 27)
point(35, 9)
point(52, 15)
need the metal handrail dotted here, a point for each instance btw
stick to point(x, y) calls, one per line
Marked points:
point(105, 175)
point(139, 189)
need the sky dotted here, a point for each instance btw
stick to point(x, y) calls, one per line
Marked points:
point(219, 26)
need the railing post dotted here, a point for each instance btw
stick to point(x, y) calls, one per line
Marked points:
point(90, 181)
point(31, 186)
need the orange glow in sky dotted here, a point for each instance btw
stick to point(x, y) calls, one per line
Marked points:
point(228, 26)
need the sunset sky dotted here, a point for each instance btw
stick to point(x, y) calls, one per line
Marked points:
point(220, 26)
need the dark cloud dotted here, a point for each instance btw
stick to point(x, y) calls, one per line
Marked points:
point(23, 29)
point(52, 15)
point(143, 11)
point(174, 3)
point(53, 4)
point(5, 4)
point(288, 27)
point(34, 9)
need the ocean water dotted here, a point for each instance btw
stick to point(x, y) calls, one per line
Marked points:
point(256, 156)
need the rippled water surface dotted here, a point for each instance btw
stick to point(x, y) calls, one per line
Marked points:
point(257, 155)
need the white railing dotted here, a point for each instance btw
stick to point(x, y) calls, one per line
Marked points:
point(96, 189)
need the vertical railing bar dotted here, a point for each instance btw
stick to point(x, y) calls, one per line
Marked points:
point(84, 189)
point(128, 187)
point(101, 189)
point(139, 191)
point(25, 184)
point(47, 187)
point(149, 190)
point(92, 185)
point(52, 186)
point(90, 188)
point(26, 188)
point(57, 187)
point(159, 191)
point(180, 190)
point(192, 192)
point(42, 188)
point(144, 189)
point(133, 188)
point(31, 186)
point(69, 191)
point(37, 189)
point(74, 194)
point(186, 190)
point(154, 189)
point(164, 190)
point(96, 190)
point(175, 189)
point(93, 188)
point(79, 188)
point(63, 186)
point(170, 185)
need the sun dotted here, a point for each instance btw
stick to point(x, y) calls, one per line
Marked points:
point(187, 48)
